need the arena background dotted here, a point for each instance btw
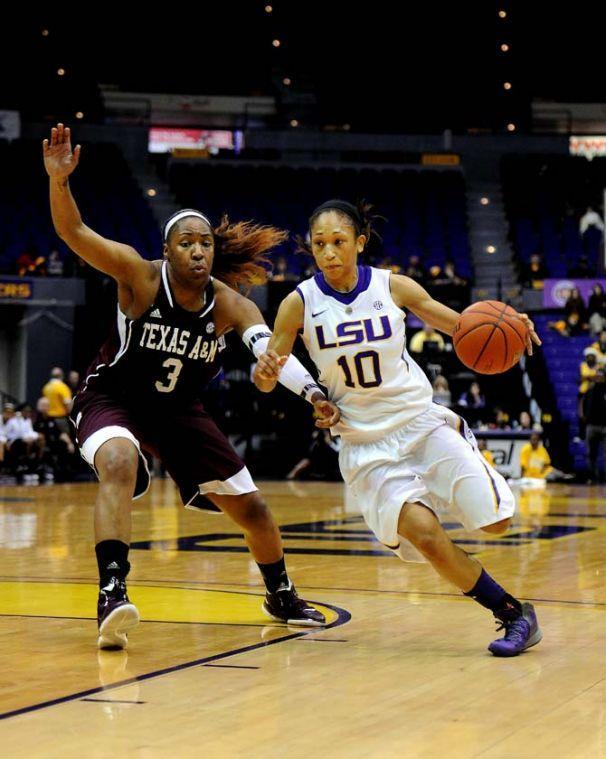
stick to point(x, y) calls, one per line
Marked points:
point(461, 140)
point(478, 131)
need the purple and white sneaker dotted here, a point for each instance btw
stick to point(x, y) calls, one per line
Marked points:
point(115, 615)
point(521, 632)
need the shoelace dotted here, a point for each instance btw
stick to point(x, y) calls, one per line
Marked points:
point(516, 629)
point(289, 599)
point(113, 588)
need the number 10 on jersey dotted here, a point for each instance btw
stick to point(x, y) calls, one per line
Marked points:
point(367, 369)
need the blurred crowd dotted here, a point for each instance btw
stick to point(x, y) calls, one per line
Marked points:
point(580, 318)
point(592, 403)
point(37, 444)
point(533, 273)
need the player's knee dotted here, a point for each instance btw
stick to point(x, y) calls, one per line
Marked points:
point(420, 527)
point(253, 513)
point(498, 528)
point(117, 462)
point(429, 543)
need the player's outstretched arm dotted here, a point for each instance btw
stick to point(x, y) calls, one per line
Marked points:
point(121, 262)
point(409, 294)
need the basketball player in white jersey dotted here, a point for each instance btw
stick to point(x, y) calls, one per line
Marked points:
point(406, 461)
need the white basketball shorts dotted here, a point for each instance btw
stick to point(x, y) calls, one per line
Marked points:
point(433, 460)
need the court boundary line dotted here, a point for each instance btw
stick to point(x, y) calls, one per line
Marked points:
point(229, 666)
point(110, 701)
point(143, 583)
point(343, 617)
point(276, 625)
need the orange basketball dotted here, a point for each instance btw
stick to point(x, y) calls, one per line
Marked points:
point(489, 337)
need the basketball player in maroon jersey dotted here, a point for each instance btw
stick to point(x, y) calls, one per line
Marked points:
point(142, 391)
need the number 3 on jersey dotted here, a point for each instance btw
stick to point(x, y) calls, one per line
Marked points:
point(175, 366)
point(368, 373)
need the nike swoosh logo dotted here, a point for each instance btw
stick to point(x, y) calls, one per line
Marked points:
point(318, 314)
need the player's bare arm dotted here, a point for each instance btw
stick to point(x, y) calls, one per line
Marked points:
point(135, 276)
point(289, 321)
point(409, 294)
point(234, 311)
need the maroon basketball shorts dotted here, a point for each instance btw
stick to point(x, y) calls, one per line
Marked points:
point(195, 452)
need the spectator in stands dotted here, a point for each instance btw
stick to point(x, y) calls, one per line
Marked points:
point(58, 446)
point(501, 420)
point(581, 269)
point(591, 218)
point(2, 440)
point(598, 349)
point(535, 461)
point(73, 381)
point(575, 316)
point(596, 308)
point(415, 269)
point(8, 411)
point(25, 414)
point(426, 335)
point(473, 398)
point(60, 398)
point(575, 311)
point(448, 276)
point(54, 267)
point(524, 421)
point(441, 392)
point(536, 272)
point(594, 415)
point(483, 448)
point(23, 443)
point(450, 287)
point(30, 264)
point(388, 263)
point(434, 275)
point(587, 371)
point(280, 271)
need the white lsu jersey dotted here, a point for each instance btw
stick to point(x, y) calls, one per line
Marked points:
point(358, 342)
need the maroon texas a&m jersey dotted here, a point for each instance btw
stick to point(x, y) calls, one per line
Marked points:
point(166, 357)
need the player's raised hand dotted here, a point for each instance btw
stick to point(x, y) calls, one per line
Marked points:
point(531, 335)
point(59, 159)
point(326, 413)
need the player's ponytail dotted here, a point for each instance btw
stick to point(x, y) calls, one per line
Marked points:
point(241, 251)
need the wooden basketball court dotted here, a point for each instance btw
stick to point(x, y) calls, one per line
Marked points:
point(402, 670)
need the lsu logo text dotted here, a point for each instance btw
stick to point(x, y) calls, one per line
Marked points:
point(354, 332)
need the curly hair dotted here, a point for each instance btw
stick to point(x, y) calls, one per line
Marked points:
point(241, 251)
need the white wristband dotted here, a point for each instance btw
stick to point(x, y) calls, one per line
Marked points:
point(294, 375)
